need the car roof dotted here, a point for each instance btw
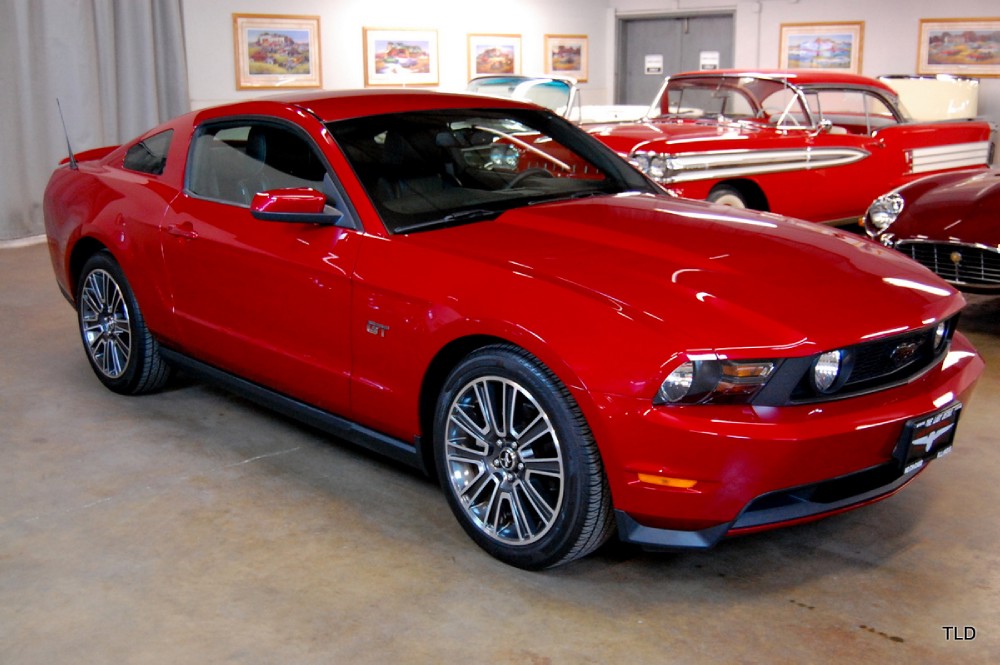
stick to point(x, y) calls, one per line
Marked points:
point(330, 105)
point(793, 77)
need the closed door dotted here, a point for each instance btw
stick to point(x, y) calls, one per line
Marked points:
point(670, 45)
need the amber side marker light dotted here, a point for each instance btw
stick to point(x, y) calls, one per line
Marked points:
point(663, 481)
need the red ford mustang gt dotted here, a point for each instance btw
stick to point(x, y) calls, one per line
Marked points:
point(482, 290)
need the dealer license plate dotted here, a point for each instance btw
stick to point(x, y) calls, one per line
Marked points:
point(927, 437)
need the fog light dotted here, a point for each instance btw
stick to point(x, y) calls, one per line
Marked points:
point(826, 370)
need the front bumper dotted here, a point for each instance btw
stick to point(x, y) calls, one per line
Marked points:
point(687, 477)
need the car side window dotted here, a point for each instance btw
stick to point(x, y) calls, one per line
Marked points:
point(150, 154)
point(856, 110)
point(232, 162)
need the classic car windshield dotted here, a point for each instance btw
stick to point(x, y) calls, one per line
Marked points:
point(731, 98)
point(432, 168)
point(554, 94)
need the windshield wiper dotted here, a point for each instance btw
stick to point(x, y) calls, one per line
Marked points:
point(569, 197)
point(475, 215)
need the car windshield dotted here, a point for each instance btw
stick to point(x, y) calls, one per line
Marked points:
point(554, 94)
point(434, 168)
point(730, 98)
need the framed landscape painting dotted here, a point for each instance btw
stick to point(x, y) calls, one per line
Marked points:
point(494, 54)
point(566, 55)
point(959, 46)
point(276, 51)
point(831, 46)
point(400, 57)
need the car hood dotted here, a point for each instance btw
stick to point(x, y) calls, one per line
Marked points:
point(626, 137)
point(959, 208)
point(708, 276)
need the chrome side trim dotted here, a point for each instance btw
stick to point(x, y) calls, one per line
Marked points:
point(730, 163)
point(955, 156)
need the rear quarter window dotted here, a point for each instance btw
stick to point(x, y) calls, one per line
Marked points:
point(150, 154)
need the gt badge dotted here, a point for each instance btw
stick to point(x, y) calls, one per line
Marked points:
point(377, 329)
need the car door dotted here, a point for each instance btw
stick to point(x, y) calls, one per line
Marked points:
point(266, 300)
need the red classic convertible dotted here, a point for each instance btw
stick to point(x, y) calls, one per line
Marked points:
point(481, 289)
point(815, 145)
point(947, 222)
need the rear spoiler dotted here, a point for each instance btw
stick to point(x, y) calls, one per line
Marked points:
point(89, 155)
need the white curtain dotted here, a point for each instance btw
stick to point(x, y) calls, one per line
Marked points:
point(118, 68)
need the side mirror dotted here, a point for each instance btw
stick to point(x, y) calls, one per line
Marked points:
point(824, 127)
point(302, 205)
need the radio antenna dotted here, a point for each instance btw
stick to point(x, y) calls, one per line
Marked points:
point(72, 157)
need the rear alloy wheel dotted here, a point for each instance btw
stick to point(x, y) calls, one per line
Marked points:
point(121, 350)
point(518, 463)
point(728, 196)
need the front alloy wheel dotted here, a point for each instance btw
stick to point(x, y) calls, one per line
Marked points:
point(518, 463)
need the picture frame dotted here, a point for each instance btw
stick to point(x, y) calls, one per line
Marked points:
point(400, 57)
point(277, 51)
point(959, 46)
point(567, 55)
point(833, 47)
point(494, 54)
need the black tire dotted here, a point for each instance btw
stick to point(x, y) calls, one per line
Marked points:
point(729, 196)
point(121, 350)
point(526, 482)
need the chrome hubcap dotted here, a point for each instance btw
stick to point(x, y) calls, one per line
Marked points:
point(504, 460)
point(105, 325)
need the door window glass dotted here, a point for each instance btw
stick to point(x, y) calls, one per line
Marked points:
point(231, 162)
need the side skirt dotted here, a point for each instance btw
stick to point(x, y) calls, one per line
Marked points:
point(338, 426)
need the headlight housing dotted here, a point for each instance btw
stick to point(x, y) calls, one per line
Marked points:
point(714, 381)
point(830, 370)
point(655, 165)
point(883, 212)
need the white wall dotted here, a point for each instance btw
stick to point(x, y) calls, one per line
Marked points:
point(209, 35)
point(890, 39)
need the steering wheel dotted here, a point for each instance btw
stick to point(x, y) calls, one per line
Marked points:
point(527, 173)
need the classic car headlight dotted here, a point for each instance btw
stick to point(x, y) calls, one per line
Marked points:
point(641, 161)
point(504, 156)
point(714, 381)
point(657, 166)
point(883, 212)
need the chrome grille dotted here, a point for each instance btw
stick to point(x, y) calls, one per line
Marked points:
point(959, 264)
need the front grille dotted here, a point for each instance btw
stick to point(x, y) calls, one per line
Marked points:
point(876, 365)
point(959, 264)
point(888, 360)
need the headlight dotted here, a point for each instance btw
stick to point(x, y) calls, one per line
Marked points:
point(641, 161)
point(504, 156)
point(940, 335)
point(831, 370)
point(883, 212)
point(657, 166)
point(714, 381)
point(826, 370)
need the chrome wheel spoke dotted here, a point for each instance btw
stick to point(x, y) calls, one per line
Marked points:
point(546, 467)
point(504, 460)
point(105, 324)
